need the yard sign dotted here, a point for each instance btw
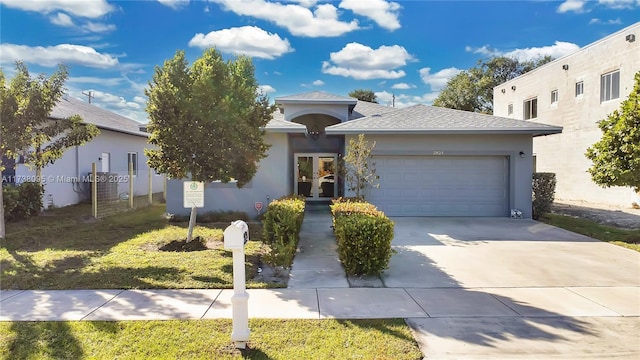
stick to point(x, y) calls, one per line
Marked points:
point(193, 194)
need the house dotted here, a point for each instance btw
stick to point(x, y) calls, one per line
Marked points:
point(66, 181)
point(431, 161)
point(575, 92)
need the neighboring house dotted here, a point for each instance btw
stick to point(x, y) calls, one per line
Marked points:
point(575, 92)
point(431, 161)
point(120, 140)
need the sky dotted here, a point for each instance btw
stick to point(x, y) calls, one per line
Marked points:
point(402, 49)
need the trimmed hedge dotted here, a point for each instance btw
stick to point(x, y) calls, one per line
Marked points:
point(281, 229)
point(543, 193)
point(364, 236)
point(22, 201)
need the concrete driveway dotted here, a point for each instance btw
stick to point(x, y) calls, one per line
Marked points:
point(502, 288)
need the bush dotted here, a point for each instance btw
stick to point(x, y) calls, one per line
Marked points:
point(22, 201)
point(281, 229)
point(544, 192)
point(364, 243)
point(364, 236)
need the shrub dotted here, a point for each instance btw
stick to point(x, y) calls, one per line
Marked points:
point(544, 191)
point(281, 229)
point(22, 201)
point(364, 242)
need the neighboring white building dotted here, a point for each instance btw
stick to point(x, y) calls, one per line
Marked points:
point(575, 92)
point(120, 140)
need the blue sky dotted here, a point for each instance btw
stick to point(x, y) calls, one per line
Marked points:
point(405, 48)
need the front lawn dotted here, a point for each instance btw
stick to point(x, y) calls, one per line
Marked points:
point(208, 339)
point(621, 237)
point(63, 249)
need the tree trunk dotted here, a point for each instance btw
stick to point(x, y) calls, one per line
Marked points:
point(192, 224)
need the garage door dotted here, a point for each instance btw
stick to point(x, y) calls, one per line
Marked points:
point(442, 185)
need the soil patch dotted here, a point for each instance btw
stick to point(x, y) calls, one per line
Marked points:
point(183, 246)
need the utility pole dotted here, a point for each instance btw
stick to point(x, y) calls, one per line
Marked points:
point(393, 100)
point(89, 95)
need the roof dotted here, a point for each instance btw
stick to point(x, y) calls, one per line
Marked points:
point(92, 114)
point(364, 108)
point(316, 97)
point(424, 119)
point(279, 124)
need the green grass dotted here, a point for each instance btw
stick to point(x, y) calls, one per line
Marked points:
point(65, 249)
point(621, 237)
point(208, 339)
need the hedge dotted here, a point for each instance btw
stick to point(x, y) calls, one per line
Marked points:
point(22, 201)
point(281, 229)
point(364, 236)
point(543, 193)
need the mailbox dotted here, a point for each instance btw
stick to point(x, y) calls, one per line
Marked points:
point(236, 235)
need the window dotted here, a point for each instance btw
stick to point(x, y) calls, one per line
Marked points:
point(579, 88)
point(510, 109)
point(132, 158)
point(554, 96)
point(531, 108)
point(610, 86)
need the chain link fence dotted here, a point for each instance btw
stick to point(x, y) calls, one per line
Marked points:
point(113, 193)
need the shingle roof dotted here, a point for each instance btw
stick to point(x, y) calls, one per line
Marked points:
point(279, 124)
point(436, 120)
point(364, 108)
point(91, 114)
point(316, 97)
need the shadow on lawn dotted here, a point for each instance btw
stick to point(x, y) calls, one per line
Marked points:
point(52, 340)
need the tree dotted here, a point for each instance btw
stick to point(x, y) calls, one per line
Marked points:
point(364, 95)
point(472, 90)
point(616, 156)
point(359, 171)
point(26, 128)
point(206, 120)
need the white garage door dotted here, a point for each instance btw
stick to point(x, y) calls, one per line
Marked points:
point(442, 185)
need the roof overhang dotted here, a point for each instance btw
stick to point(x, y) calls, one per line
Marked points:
point(123, 131)
point(523, 131)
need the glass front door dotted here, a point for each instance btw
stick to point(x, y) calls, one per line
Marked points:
point(316, 176)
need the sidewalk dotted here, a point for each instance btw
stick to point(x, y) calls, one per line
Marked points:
point(320, 303)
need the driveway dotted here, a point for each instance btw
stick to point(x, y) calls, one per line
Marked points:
point(502, 288)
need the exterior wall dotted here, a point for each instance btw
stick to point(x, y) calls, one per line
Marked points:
point(470, 145)
point(563, 154)
point(272, 180)
point(61, 187)
point(339, 111)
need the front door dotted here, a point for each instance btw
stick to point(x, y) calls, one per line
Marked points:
point(316, 176)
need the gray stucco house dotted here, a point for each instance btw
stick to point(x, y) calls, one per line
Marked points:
point(431, 161)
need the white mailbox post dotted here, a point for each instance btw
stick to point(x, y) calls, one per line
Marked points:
point(236, 236)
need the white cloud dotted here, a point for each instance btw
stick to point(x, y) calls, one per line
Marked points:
point(95, 80)
point(382, 12)
point(88, 9)
point(557, 50)
point(403, 100)
point(174, 4)
point(615, 21)
point(61, 19)
point(53, 55)
point(248, 40)
point(403, 86)
point(98, 27)
point(362, 62)
point(438, 80)
point(140, 100)
point(619, 4)
point(317, 83)
point(306, 3)
point(577, 6)
point(266, 89)
point(299, 20)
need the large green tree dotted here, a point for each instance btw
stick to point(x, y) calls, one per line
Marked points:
point(25, 124)
point(364, 95)
point(616, 156)
point(472, 90)
point(206, 120)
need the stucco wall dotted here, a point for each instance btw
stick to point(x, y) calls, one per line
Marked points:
point(272, 180)
point(60, 187)
point(563, 154)
point(450, 145)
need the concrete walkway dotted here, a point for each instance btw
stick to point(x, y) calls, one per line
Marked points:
point(317, 264)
